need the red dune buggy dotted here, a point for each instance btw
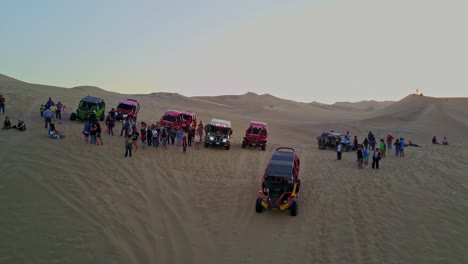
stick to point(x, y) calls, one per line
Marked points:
point(256, 135)
point(280, 183)
point(127, 107)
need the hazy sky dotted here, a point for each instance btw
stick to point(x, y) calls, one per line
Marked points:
point(314, 50)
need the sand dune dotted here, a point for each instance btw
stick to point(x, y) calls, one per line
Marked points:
point(63, 201)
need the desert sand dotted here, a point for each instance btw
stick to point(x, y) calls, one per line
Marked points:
point(64, 201)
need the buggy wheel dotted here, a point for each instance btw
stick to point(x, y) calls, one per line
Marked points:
point(294, 208)
point(258, 206)
point(263, 146)
point(321, 145)
point(227, 147)
point(73, 116)
point(244, 143)
point(206, 144)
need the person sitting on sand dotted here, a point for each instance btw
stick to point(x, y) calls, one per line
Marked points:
point(54, 133)
point(21, 126)
point(445, 142)
point(6, 123)
point(434, 140)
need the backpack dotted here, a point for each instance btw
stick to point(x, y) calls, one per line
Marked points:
point(376, 154)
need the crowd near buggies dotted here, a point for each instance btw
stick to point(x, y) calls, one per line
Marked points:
point(256, 135)
point(280, 186)
point(280, 182)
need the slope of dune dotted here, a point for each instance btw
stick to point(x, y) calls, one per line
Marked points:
point(366, 105)
point(65, 201)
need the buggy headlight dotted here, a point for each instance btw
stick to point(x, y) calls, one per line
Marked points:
point(211, 138)
point(224, 140)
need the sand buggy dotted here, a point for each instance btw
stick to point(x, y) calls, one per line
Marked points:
point(256, 135)
point(90, 108)
point(280, 183)
point(218, 133)
point(127, 107)
point(331, 139)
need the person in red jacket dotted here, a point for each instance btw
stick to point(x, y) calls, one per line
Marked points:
point(389, 141)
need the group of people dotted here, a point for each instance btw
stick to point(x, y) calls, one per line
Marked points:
point(444, 141)
point(158, 135)
point(20, 126)
point(363, 150)
point(55, 110)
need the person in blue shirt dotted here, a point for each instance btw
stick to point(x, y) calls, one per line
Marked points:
point(49, 103)
point(179, 134)
point(48, 114)
point(86, 130)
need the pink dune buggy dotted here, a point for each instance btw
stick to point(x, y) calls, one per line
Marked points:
point(280, 182)
point(256, 135)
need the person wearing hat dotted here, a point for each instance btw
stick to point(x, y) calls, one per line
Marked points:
point(390, 139)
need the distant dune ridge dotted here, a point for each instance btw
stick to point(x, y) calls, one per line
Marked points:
point(63, 201)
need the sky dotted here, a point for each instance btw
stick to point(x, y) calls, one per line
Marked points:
point(315, 50)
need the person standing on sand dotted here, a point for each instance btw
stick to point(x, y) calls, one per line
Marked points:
point(371, 138)
point(154, 134)
point(149, 135)
point(128, 145)
point(389, 141)
point(355, 143)
point(179, 135)
point(366, 153)
point(135, 137)
point(64, 112)
point(360, 157)
point(383, 147)
point(86, 130)
point(197, 138)
point(110, 122)
point(143, 140)
point(397, 147)
point(376, 158)
point(366, 143)
point(184, 143)
point(164, 137)
point(98, 134)
point(42, 108)
point(402, 147)
point(49, 103)
point(339, 149)
point(58, 112)
point(92, 134)
point(2, 103)
point(47, 116)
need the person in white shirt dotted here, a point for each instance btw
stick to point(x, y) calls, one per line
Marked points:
point(339, 149)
